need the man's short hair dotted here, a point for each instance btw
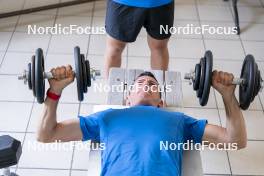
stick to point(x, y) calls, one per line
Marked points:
point(147, 73)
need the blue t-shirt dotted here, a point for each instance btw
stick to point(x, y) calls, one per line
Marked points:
point(143, 3)
point(133, 136)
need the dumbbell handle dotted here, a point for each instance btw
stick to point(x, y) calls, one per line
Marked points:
point(48, 75)
point(236, 81)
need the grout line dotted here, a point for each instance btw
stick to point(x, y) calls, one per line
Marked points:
point(73, 152)
point(199, 21)
point(11, 37)
point(90, 35)
point(24, 138)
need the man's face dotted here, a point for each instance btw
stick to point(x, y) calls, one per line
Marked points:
point(145, 92)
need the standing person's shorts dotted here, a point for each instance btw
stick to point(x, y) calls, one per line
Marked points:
point(125, 22)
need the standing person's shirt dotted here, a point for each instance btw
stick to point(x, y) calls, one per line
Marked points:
point(132, 138)
point(143, 3)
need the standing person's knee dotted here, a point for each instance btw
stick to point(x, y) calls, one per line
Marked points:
point(115, 47)
point(158, 45)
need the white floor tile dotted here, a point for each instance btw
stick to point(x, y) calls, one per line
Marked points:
point(1, 56)
point(225, 30)
point(14, 120)
point(28, 23)
point(138, 63)
point(86, 109)
point(98, 22)
point(15, 63)
point(254, 122)
point(64, 112)
point(180, 2)
point(42, 172)
point(186, 48)
point(57, 60)
point(255, 105)
point(56, 156)
point(81, 155)
point(225, 49)
point(249, 14)
point(38, 3)
point(97, 93)
point(185, 12)
point(79, 173)
point(64, 44)
point(249, 3)
point(139, 47)
point(183, 65)
point(8, 24)
point(252, 31)
point(190, 99)
point(213, 2)
point(77, 10)
point(233, 67)
point(5, 38)
point(17, 91)
point(215, 13)
point(22, 42)
point(211, 115)
point(98, 62)
point(17, 136)
point(255, 48)
point(248, 161)
point(100, 8)
point(15, 5)
point(215, 162)
point(97, 45)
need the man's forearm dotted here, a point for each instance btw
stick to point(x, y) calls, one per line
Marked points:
point(235, 124)
point(48, 120)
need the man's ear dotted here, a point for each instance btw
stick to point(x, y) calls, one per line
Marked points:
point(161, 104)
point(128, 101)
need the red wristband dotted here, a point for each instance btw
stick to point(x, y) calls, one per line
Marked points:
point(53, 96)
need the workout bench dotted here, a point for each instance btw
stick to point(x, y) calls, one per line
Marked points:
point(191, 164)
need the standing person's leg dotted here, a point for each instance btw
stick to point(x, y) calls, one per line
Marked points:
point(122, 24)
point(157, 39)
point(159, 53)
point(113, 53)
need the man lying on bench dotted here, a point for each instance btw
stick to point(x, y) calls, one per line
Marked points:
point(135, 138)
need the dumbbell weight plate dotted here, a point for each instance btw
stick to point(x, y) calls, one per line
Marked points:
point(246, 90)
point(257, 86)
point(199, 91)
point(33, 75)
point(39, 76)
point(89, 79)
point(207, 78)
point(84, 73)
point(196, 80)
point(78, 73)
point(29, 76)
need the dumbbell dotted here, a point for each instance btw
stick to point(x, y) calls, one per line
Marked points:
point(35, 75)
point(250, 81)
point(10, 152)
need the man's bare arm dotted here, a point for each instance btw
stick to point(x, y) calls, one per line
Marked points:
point(49, 129)
point(235, 131)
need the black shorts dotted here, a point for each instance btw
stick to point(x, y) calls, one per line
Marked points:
point(125, 22)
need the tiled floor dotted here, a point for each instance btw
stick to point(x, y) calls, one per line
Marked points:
point(19, 113)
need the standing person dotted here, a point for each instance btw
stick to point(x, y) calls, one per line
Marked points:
point(124, 20)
